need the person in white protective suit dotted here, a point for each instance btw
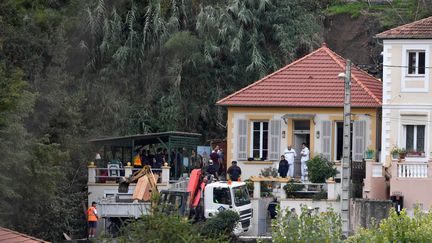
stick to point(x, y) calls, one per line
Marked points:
point(290, 155)
point(304, 157)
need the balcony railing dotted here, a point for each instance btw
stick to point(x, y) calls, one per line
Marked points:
point(113, 175)
point(104, 175)
point(412, 170)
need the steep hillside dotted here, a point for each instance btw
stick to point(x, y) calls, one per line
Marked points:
point(353, 38)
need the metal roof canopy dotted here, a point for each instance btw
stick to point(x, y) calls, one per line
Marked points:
point(170, 140)
point(183, 139)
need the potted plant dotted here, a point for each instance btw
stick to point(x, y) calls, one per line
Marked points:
point(395, 152)
point(402, 153)
point(369, 153)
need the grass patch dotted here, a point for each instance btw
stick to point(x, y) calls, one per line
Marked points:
point(353, 9)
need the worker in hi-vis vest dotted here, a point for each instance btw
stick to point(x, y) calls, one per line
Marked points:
point(92, 217)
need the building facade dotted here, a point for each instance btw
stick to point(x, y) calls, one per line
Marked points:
point(301, 103)
point(407, 110)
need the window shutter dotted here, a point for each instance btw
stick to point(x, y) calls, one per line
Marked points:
point(326, 139)
point(241, 139)
point(274, 138)
point(359, 138)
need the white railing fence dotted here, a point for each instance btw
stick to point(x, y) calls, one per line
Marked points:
point(412, 170)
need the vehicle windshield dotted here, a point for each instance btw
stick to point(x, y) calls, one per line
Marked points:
point(241, 196)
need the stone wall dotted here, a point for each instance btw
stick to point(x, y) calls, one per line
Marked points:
point(367, 211)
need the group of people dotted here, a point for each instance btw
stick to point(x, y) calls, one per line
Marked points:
point(215, 165)
point(179, 161)
point(286, 164)
point(143, 157)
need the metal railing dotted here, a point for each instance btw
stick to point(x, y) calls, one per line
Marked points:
point(104, 175)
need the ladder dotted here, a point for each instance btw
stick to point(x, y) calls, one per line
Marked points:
point(345, 173)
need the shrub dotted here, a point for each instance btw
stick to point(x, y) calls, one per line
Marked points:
point(398, 228)
point(320, 169)
point(290, 188)
point(221, 225)
point(266, 186)
point(308, 227)
point(320, 195)
point(174, 228)
point(269, 171)
point(249, 185)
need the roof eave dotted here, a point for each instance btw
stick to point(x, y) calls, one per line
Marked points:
point(400, 37)
point(298, 106)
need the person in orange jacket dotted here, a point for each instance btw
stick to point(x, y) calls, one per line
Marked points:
point(92, 218)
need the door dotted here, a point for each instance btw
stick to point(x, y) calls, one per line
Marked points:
point(299, 139)
point(338, 149)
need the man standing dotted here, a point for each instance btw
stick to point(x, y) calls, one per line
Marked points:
point(304, 157)
point(283, 167)
point(92, 217)
point(290, 155)
point(234, 171)
point(212, 169)
point(214, 156)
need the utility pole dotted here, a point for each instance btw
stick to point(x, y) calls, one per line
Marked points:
point(346, 160)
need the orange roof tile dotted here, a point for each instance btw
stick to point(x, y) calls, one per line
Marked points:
point(10, 236)
point(311, 81)
point(420, 29)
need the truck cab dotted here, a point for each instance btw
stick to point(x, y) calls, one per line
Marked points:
point(220, 196)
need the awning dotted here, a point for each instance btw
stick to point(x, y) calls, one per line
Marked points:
point(299, 117)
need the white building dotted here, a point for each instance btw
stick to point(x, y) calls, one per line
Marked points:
point(407, 110)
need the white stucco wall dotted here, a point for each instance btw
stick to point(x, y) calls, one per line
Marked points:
point(404, 94)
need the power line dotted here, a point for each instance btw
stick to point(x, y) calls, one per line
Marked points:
point(400, 119)
point(403, 66)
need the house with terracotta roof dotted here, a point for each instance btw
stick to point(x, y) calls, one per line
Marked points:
point(10, 236)
point(407, 111)
point(301, 102)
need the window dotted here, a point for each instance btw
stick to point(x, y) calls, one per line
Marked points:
point(259, 139)
point(415, 138)
point(416, 62)
point(241, 196)
point(222, 196)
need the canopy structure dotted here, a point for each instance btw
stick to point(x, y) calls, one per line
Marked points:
point(177, 139)
point(127, 145)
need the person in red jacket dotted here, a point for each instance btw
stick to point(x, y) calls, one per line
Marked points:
point(92, 218)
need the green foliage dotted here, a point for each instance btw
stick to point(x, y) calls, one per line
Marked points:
point(369, 153)
point(220, 226)
point(320, 195)
point(173, 228)
point(249, 185)
point(320, 169)
point(398, 228)
point(159, 228)
point(309, 226)
point(269, 171)
point(354, 9)
point(267, 186)
point(290, 188)
point(74, 70)
point(390, 13)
